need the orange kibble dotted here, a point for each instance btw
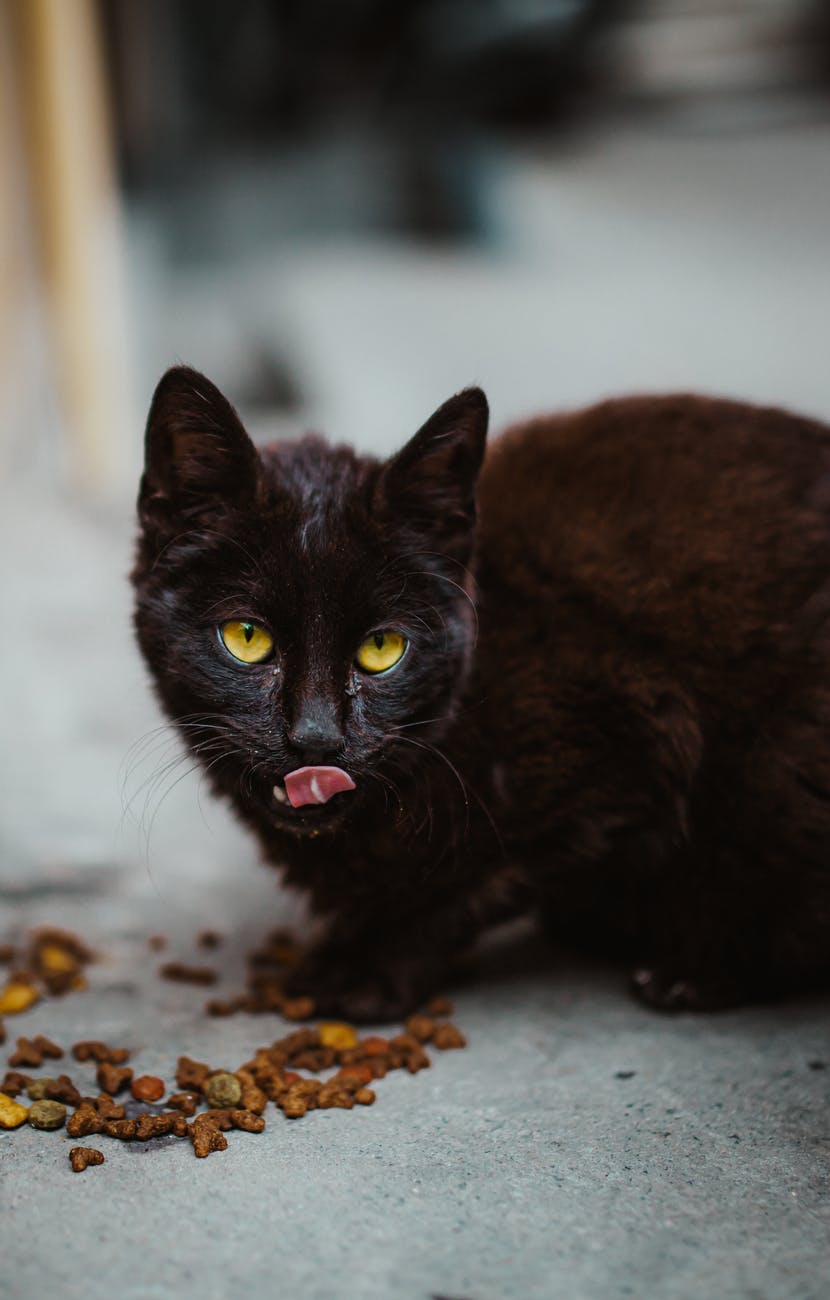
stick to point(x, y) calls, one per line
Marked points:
point(374, 1045)
point(12, 1114)
point(147, 1088)
point(334, 1033)
point(360, 1073)
point(55, 959)
point(17, 997)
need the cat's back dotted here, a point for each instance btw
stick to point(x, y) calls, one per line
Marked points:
point(680, 508)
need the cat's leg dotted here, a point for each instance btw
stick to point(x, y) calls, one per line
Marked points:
point(382, 967)
point(752, 922)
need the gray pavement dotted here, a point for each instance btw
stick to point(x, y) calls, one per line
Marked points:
point(581, 1146)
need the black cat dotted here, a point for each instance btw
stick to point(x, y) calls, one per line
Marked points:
point(586, 675)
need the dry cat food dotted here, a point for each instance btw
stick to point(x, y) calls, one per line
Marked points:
point(47, 1114)
point(52, 963)
point(147, 1088)
point(182, 973)
point(94, 1050)
point(81, 1158)
point(209, 1102)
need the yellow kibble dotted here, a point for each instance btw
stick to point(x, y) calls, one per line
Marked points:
point(17, 997)
point(54, 958)
point(12, 1114)
point(333, 1033)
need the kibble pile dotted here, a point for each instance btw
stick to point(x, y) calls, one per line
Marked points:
point(207, 1101)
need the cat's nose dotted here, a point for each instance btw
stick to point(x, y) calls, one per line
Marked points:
point(316, 733)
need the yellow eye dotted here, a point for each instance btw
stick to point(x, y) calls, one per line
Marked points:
point(380, 651)
point(246, 641)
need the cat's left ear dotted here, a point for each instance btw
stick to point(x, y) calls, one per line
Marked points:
point(431, 483)
point(199, 461)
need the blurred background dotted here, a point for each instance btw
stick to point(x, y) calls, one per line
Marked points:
point(343, 211)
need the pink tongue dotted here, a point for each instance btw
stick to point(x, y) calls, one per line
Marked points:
point(316, 784)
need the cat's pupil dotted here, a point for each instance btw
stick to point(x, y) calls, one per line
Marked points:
point(248, 630)
point(379, 640)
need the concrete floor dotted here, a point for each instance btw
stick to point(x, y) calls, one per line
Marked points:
point(580, 1146)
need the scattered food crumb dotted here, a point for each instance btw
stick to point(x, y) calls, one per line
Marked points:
point(625, 1074)
point(181, 973)
point(817, 1065)
point(157, 942)
point(209, 939)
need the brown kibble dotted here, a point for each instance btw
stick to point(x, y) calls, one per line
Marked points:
point(359, 1074)
point(157, 942)
point(447, 1036)
point(191, 1075)
point(153, 1126)
point(47, 1114)
point(420, 1027)
point(439, 1006)
point(48, 1048)
point(123, 1129)
point(95, 1050)
point(222, 1090)
point(205, 1136)
point(147, 1088)
point(373, 1045)
point(330, 1095)
point(186, 1102)
point(81, 1158)
point(222, 1006)
point(14, 1082)
point(107, 1108)
point(8, 954)
point(113, 1078)
point(26, 1054)
point(85, 1121)
point(57, 959)
point(209, 939)
point(180, 972)
point(315, 1059)
point(253, 1098)
point(298, 1008)
point(294, 1108)
point(364, 1097)
point(205, 1130)
point(31, 1051)
point(62, 1089)
point(49, 936)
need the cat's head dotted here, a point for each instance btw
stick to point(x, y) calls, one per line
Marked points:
point(305, 611)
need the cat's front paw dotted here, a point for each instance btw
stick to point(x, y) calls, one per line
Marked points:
point(343, 984)
point(666, 991)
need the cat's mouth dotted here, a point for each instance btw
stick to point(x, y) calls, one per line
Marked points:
point(304, 795)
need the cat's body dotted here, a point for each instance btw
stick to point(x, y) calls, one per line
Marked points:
point(614, 704)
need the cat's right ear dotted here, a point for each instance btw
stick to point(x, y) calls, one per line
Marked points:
point(199, 461)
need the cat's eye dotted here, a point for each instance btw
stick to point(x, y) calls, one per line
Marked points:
point(380, 651)
point(247, 642)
